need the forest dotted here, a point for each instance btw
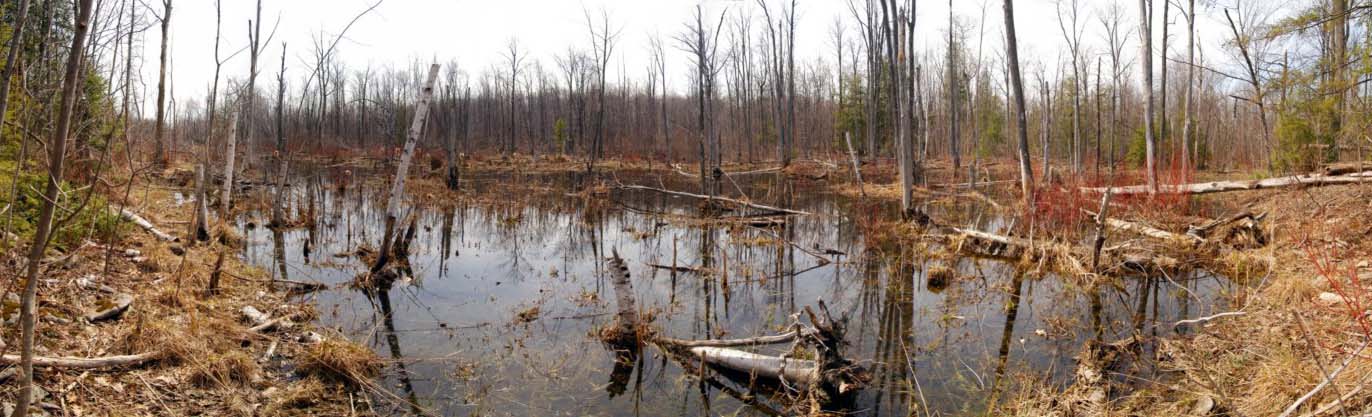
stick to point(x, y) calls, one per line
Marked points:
point(765, 208)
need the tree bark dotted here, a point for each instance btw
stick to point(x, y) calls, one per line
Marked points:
point(421, 115)
point(1026, 170)
point(43, 231)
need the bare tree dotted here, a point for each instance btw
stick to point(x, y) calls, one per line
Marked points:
point(421, 115)
point(1026, 170)
point(1146, 65)
point(57, 152)
point(603, 42)
point(514, 56)
point(161, 152)
point(702, 42)
point(1187, 131)
point(1249, 42)
point(1112, 22)
point(1073, 36)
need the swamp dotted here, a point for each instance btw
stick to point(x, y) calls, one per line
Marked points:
point(713, 208)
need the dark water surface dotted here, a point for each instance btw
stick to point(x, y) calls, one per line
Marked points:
point(502, 313)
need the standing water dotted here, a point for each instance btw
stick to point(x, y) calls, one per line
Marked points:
point(502, 311)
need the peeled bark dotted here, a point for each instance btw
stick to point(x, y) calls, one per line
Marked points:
point(226, 197)
point(146, 225)
point(794, 371)
point(421, 116)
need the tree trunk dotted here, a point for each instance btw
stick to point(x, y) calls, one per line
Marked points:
point(161, 153)
point(1026, 170)
point(421, 115)
point(226, 198)
point(43, 231)
point(1146, 59)
point(1187, 128)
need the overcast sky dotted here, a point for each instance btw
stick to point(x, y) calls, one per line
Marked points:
point(475, 32)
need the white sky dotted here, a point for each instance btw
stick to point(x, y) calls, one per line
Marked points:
point(475, 32)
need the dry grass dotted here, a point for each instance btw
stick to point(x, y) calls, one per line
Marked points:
point(341, 361)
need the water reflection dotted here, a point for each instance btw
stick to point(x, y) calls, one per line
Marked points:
point(506, 300)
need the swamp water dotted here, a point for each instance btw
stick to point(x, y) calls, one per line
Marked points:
point(502, 312)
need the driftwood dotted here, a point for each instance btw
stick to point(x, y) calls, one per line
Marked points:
point(791, 371)
point(1311, 180)
point(678, 268)
point(83, 363)
point(1150, 231)
point(122, 302)
point(146, 225)
point(1203, 231)
point(752, 341)
point(715, 198)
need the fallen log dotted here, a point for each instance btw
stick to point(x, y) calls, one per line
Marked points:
point(1311, 180)
point(1149, 231)
point(146, 225)
point(624, 299)
point(715, 198)
point(678, 268)
point(83, 363)
point(752, 341)
point(1343, 168)
point(122, 302)
point(792, 371)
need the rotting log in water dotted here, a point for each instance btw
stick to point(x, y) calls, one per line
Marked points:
point(146, 225)
point(826, 380)
point(798, 372)
point(715, 198)
point(626, 332)
point(679, 268)
point(1310, 180)
point(751, 341)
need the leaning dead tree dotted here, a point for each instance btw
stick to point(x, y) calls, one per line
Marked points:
point(421, 115)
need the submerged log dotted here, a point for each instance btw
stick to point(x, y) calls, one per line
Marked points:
point(715, 198)
point(624, 299)
point(1226, 186)
point(146, 225)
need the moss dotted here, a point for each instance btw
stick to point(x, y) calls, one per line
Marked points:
point(93, 220)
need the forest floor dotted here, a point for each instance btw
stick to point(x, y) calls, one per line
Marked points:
point(1304, 313)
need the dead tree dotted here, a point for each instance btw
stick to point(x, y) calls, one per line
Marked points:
point(702, 42)
point(602, 47)
point(1146, 65)
point(421, 115)
point(57, 151)
point(1187, 129)
point(1111, 22)
point(516, 61)
point(1073, 37)
point(1246, 40)
point(160, 153)
point(279, 198)
point(1026, 170)
point(953, 93)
